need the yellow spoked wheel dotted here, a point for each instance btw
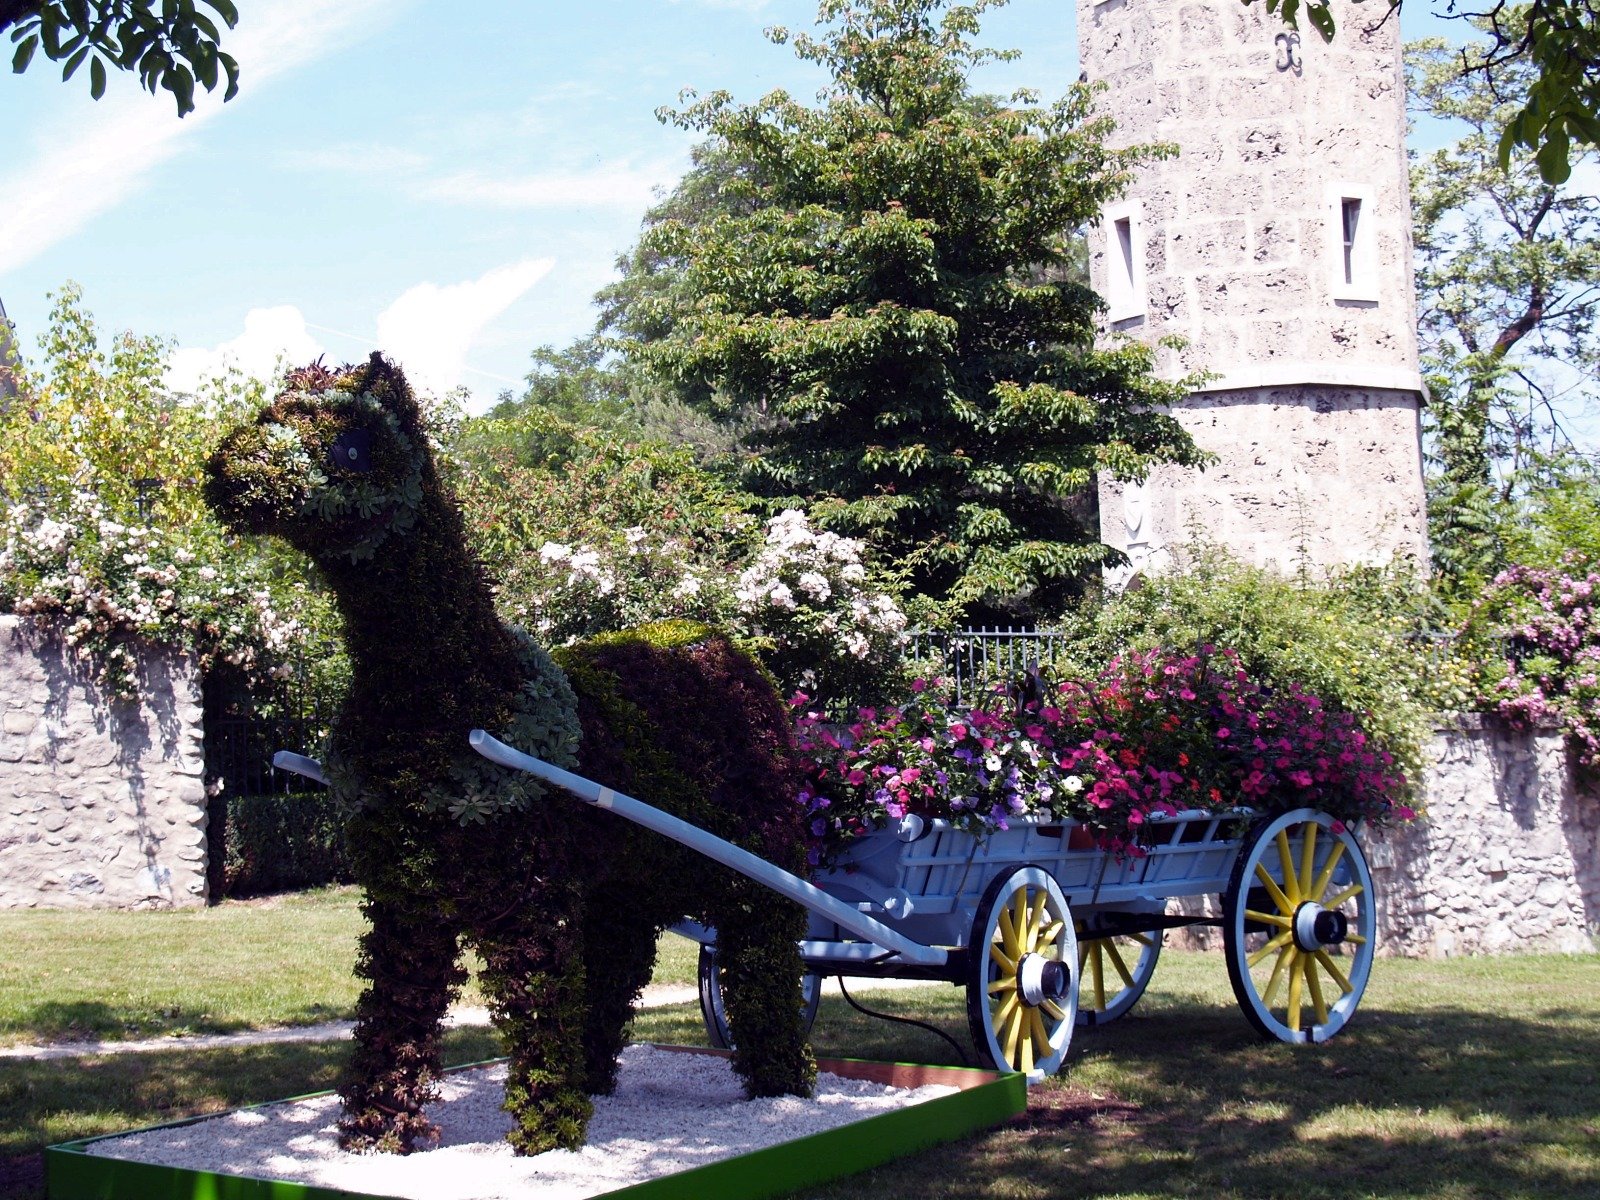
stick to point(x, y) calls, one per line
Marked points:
point(714, 1011)
point(1299, 926)
point(1022, 993)
point(1113, 970)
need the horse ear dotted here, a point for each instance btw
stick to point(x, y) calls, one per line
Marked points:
point(386, 382)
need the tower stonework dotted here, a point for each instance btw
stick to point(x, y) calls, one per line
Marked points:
point(1277, 244)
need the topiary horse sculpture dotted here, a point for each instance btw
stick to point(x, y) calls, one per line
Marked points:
point(562, 903)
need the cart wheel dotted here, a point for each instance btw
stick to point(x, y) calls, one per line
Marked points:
point(1298, 926)
point(1021, 994)
point(716, 1016)
point(1113, 971)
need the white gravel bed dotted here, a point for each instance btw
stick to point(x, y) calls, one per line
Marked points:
point(671, 1111)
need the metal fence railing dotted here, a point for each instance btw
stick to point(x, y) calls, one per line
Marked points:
point(975, 660)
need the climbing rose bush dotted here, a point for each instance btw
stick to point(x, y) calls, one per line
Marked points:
point(109, 582)
point(1553, 672)
point(1154, 735)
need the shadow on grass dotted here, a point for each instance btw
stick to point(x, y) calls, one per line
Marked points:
point(93, 1020)
point(1186, 1101)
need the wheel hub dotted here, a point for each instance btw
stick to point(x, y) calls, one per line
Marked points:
point(1040, 979)
point(1316, 927)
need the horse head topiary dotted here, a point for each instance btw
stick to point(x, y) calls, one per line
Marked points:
point(561, 903)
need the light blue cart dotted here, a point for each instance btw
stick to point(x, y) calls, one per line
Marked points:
point(1044, 931)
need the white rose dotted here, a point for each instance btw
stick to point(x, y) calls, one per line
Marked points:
point(815, 585)
point(780, 596)
point(553, 552)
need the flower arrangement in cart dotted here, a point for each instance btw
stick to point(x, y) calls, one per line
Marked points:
point(1156, 733)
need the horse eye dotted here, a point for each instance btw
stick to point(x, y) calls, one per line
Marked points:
point(352, 450)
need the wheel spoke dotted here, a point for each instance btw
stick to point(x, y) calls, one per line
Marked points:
point(1315, 986)
point(1251, 914)
point(1291, 885)
point(1326, 875)
point(1000, 959)
point(1041, 1035)
point(1281, 939)
point(1025, 1040)
point(1308, 859)
point(1355, 889)
point(1116, 961)
point(1002, 985)
point(1019, 920)
point(1143, 939)
point(1296, 979)
point(1339, 976)
point(1049, 934)
point(1008, 1006)
point(1097, 975)
point(1054, 1009)
point(1284, 956)
point(1356, 938)
point(1035, 930)
point(1013, 1031)
point(1008, 935)
point(1267, 881)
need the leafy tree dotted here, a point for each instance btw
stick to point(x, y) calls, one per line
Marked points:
point(98, 418)
point(172, 45)
point(882, 294)
point(1543, 55)
point(1508, 279)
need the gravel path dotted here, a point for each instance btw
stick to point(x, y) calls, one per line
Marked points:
point(671, 1111)
point(655, 996)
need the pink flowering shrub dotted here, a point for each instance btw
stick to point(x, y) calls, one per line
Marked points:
point(1553, 673)
point(1155, 734)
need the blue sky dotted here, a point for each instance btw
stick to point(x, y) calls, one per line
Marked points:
point(451, 182)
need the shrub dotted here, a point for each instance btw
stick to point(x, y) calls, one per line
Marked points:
point(1357, 639)
point(277, 843)
point(110, 582)
point(1553, 670)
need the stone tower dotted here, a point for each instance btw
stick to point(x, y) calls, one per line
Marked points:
point(1278, 245)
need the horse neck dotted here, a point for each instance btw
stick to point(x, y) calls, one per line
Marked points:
point(419, 608)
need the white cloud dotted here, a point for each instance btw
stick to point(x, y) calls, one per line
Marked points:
point(612, 185)
point(107, 153)
point(430, 329)
point(272, 337)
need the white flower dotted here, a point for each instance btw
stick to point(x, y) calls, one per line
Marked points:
point(689, 585)
point(207, 573)
point(857, 644)
point(1073, 784)
point(853, 572)
point(553, 552)
point(780, 596)
point(816, 586)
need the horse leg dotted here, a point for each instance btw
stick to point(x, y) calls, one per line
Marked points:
point(757, 936)
point(533, 977)
point(620, 935)
point(408, 957)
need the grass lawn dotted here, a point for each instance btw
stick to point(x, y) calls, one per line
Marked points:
point(1475, 1078)
point(281, 960)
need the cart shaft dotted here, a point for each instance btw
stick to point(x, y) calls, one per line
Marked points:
point(735, 858)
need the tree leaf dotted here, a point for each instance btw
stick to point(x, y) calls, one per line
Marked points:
point(24, 54)
point(97, 78)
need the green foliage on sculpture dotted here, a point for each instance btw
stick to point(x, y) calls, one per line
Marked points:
point(561, 904)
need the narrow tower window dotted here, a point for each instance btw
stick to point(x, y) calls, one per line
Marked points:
point(1352, 243)
point(1351, 206)
point(1124, 262)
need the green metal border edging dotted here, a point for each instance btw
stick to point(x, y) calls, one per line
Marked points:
point(986, 1098)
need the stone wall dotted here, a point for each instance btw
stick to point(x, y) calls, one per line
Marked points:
point(1507, 857)
point(102, 804)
